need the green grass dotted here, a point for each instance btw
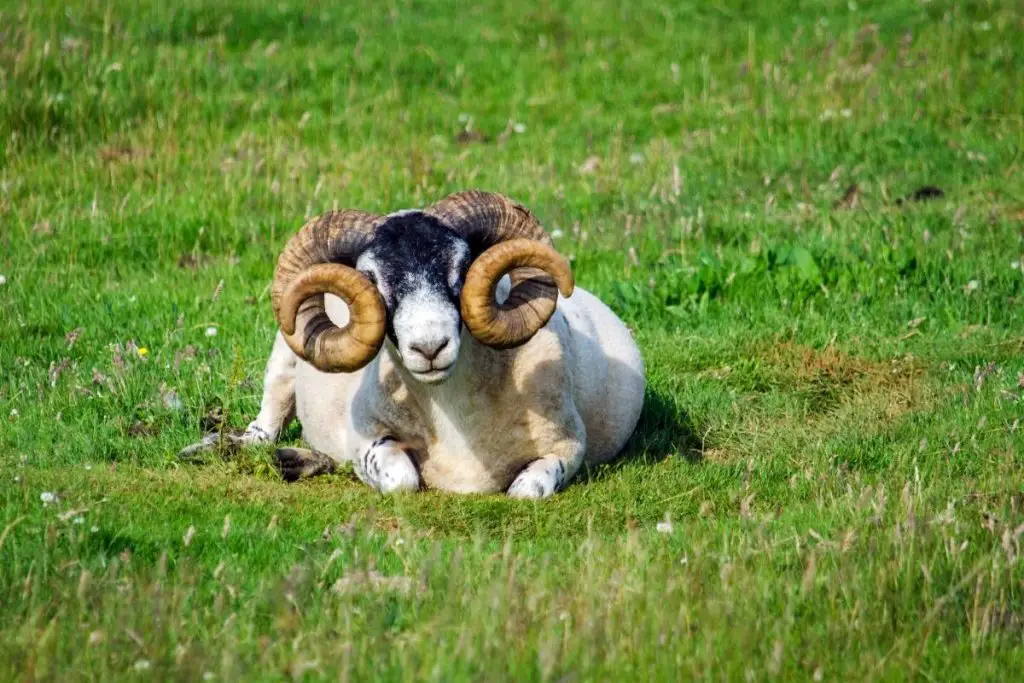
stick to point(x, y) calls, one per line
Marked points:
point(835, 388)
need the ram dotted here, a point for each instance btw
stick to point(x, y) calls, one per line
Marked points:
point(455, 365)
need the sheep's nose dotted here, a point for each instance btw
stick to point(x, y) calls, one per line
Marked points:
point(430, 349)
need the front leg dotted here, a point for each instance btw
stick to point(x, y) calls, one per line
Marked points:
point(277, 408)
point(548, 475)
point(385, 465)
point(563, 450)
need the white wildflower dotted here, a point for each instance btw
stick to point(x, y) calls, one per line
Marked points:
point(665, 525)
point(211, 331)
point(48, 497)
point(142, 665)
point(589, 165)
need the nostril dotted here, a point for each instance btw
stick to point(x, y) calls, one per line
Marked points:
point(431, 349)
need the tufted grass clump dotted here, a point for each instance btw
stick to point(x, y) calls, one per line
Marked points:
point(811, 215)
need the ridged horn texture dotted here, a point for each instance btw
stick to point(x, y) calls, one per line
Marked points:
point(319, 259)
point(513, 243)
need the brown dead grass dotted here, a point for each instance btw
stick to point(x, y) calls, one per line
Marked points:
point(840, 378)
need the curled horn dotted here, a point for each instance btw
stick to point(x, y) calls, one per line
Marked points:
point(514, 243)
point(320, 259)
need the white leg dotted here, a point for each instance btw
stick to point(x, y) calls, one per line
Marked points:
point(278, 405)
point(386, 466)
point(546, 476)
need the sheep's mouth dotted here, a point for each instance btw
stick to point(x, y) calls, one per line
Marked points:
point(433, 375)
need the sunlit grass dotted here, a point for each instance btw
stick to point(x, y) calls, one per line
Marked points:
point(825, 483)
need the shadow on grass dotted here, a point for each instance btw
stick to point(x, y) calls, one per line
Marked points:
point(664, 429)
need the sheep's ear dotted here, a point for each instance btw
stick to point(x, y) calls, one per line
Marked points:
point(478, 244)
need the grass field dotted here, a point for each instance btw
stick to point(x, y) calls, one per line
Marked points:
point(827, 481)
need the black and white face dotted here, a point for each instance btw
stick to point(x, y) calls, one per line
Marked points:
point(418, 265)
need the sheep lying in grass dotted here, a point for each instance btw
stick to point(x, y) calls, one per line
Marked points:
point(488, 380)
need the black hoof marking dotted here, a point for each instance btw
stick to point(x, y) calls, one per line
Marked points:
point(260, 433)
point(369, 462)
point(559, 476)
